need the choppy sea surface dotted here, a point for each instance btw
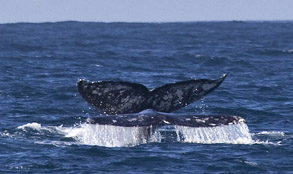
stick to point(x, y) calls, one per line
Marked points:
point(43, 130)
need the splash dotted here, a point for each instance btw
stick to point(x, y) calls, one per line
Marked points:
point(118, 136)
point(94, 134)
point(269, 137)
point(112, 136)
point(234, 134)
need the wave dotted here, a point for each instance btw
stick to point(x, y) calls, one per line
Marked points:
point(271, 133)
point(273, 52)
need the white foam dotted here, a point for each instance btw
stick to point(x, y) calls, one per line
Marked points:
point(233, 134)
point(5, 134)
point(272, 137)
point(38, 127)
point(34, 125)
point(271, 133)
point(251, 163)
point(56, 143)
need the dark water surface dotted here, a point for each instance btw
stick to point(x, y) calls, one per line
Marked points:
point(42, 113)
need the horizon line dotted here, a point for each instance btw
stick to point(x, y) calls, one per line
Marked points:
point(148, 22)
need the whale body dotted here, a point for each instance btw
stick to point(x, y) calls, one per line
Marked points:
point(111, 97)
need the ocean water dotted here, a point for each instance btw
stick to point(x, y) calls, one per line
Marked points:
point(42, 127)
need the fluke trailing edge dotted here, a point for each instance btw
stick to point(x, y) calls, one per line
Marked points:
point(151, 118)
point(111, 97)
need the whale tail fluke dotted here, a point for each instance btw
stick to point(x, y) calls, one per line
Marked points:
point(111, 97)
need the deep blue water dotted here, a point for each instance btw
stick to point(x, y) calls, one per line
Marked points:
point(39, 104)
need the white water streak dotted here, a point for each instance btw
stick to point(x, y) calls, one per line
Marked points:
point(234, 134)
point(111, 136)
point(271, 133)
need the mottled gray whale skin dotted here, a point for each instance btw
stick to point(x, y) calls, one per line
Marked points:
point(151, 118)
point(111, 97)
